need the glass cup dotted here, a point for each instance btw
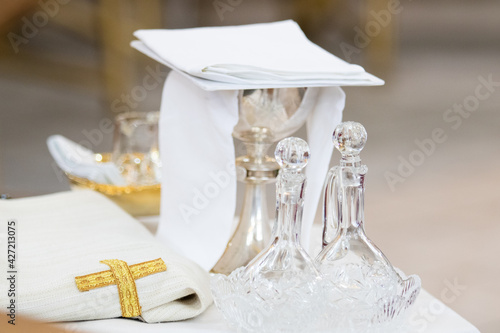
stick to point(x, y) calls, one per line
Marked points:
point(135, 147)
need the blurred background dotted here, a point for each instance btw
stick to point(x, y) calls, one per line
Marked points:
point(432, 203)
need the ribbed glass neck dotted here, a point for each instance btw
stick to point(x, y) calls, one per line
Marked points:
point(289, 195)
point(352, 206)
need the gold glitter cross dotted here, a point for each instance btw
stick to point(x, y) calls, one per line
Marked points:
point(124, 277)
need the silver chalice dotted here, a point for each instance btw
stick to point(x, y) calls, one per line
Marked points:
point(265, 116)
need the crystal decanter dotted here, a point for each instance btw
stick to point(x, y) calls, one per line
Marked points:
point(363, 291)
point(278, 290)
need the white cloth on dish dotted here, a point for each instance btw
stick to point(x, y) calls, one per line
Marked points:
point(77, 160)
point(64, 235)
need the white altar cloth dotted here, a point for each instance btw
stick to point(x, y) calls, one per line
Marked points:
point(429, 316)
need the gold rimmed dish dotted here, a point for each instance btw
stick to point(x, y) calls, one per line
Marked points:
point(137, 200)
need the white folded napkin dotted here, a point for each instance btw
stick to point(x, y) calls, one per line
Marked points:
point(200, 109)
point(65, 235)
point(79, 161)
point(261, 55)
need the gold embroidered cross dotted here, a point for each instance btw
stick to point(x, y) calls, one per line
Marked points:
point(124, 277)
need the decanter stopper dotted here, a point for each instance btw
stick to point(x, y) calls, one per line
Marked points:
point(292, 154)
point(363, 289)
point(349, 138)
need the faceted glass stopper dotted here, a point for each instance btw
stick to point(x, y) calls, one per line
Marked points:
point(292, 153)
point(349, 138)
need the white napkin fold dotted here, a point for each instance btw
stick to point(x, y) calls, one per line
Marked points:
point(79, 161)
point(261, 55)
point(64, 235)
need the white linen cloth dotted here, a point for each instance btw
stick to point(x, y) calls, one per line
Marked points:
point(442, 320)
point(77, 160)
point(64, 235)
point(200, 109)
point(265, 55)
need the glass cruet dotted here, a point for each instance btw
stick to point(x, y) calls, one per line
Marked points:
point(364, 291)
point(277, 291)
point(285, 255)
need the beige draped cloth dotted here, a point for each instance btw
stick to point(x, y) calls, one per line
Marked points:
point(64, 235)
